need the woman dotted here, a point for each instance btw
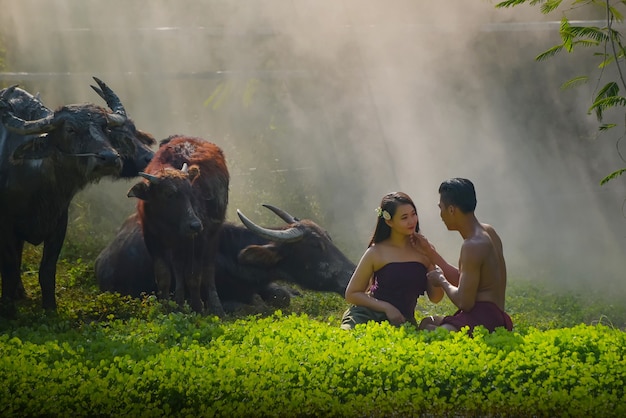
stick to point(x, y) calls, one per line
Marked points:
point(391, 274)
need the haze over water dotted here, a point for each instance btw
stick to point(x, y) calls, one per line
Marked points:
point(323, 106)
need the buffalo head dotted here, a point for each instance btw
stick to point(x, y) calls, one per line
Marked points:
point(133, 144)
point(46, 132)
point(170, 199)
point(301, 252)
point(73, 131)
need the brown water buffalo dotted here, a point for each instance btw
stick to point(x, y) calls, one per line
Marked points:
point(250, 259)
point(46, 157)
point(181, 208)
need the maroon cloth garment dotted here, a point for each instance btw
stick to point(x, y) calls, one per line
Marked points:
point(400, 284)
point(487, 314)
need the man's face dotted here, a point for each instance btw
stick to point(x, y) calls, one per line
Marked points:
point(446, 213)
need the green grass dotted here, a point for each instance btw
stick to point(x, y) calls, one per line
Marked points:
point(102, 354)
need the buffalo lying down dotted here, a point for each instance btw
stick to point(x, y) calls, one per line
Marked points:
point(46, 157)
point(250, 258)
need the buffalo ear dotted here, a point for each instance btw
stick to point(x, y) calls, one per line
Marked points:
point(194, 172)
point(259, 255)
point(139, 190)
point(145, 137)
point(33, 149)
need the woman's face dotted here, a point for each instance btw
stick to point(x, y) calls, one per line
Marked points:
point(404, 220)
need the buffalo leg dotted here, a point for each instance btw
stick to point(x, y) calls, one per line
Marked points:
point(276, 295)
point(181, 285)
point(10, 256)
point(48, 267)
point(162, 277)
point(20, 291)
point(209, 291)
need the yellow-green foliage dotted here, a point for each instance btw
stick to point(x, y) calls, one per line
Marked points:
point(107, 355)
point(184, 365)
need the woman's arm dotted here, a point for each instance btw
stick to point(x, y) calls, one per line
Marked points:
point(435, 293)
point(356, 291)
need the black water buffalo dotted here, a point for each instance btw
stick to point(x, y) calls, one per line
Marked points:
point(181, 208)
point(46, 157)
point(250, 259)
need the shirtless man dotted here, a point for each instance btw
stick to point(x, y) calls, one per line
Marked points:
point(478, 286)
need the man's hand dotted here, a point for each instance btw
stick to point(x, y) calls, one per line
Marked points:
point(421, 243)
point(436, 277)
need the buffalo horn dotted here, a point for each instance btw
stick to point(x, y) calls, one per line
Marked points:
point(151, 178)
point(7, 92)
point(114, 102)
point(282, 214)
point(288, 235)
point(31, 127)
point(185, 168)
point(21, 126)
point(115, 119)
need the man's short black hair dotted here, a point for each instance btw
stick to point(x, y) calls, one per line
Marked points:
point(458, 192)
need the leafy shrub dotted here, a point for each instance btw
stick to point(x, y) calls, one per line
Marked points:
point(103, 354)
point(184, 364)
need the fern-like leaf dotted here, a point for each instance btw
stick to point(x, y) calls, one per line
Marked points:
point(612, 176)
point(609, 60)
point(609, 89)
point(606, 126)
point(591, 32)
point(549, 6)
point(512, 3)
point(585, 43)
point(617, 15)
point(599, 106)
point(549, 53)
point(509, 3)
point(575, 82)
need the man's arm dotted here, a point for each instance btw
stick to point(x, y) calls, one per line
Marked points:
point(450, 271)
point(464, 295)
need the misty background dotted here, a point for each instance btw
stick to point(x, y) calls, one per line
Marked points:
point(322, 107)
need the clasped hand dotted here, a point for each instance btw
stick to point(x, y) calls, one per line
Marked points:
point(436, 276)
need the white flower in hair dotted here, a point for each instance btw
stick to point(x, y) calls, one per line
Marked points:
point(382, 213)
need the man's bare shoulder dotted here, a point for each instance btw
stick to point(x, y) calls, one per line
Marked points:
point(495, 238)
point(476, 245)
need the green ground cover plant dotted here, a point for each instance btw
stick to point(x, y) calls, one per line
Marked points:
point(106, 355)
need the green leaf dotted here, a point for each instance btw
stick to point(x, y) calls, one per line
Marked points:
point(606, 126)
point(591, 32)
point(575, 82)
point(609, 89)
point(509, 3)
point(550, 5)
point(616, 14)
point(609, 60)
point(599, 106)
point(549, 53)
point(612, 176)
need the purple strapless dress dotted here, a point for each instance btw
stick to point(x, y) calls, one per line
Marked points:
point(401, 284)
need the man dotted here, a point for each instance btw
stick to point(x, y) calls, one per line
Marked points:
point(478, 286)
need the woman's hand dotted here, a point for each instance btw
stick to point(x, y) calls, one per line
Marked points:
point(436, 277)
point(393, 315)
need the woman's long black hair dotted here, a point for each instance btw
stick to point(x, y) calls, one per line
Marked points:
point(390, 203)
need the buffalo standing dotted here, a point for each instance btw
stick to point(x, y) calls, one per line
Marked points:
point(46, 157)
point(181, 208)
